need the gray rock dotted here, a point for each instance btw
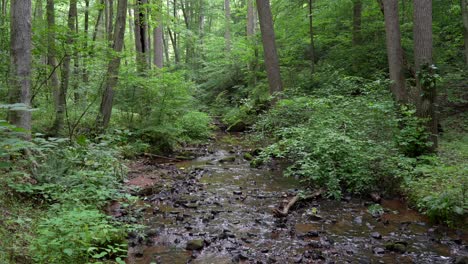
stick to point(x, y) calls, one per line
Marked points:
point(196, 244)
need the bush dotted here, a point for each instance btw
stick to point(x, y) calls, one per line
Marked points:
point(438, 186)
point(338, 142)
point(78, 235)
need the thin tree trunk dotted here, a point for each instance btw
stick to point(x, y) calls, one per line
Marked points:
point(269, 46)
point(357, 15)
point(464, 9)
point(110, 8)
point(21, 60)
point(141, 36)
point(311, 32)
point(105, 109)
point(62, 95)
point(251, 31)
point(227, 32)
point(158, 42)
point(51, 51)
point(86, 31)
point(166, 49)
point(394, 50)
point(427, 93)
point(98, 20)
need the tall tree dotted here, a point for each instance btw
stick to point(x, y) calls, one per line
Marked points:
point(51, 51)
point(269, 46)
point(427, 92)
point(141, 35)
point(227, 30)
point(464, 9)
point(357, 17)
point(311, 32)
point(105, 109)
point(394, 50)
point(62, 94)
point(21, 59)
point(158, 41)
point(251, 36)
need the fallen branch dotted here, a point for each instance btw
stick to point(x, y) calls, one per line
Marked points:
point(285, 211)
point(161, 157)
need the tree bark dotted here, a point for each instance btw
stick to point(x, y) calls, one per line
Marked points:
point(251, 32)
point(98, 20)
point(464, 9)
point(394, 51)
point(227, 30)
point(427, 93)
point(110, 8)
point(86, 31)
point(21, 59)
point(62, 94)
point(105, 109)
point(51, 51)
point(158, 58)
point(141, 36)
point(311, 32)
point(357, 15)
point(269, 46)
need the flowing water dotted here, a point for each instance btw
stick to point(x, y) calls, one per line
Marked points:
point(221, 209)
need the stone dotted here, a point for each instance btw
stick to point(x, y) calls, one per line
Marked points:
point(196, 244)
point(378, 251)
point(376, 235)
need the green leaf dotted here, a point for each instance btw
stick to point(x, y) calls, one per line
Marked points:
point(100, 255)
point(68, 251)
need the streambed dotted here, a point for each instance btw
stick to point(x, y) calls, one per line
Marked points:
point(217, 209)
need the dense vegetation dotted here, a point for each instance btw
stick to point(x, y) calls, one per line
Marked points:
point(95, 82)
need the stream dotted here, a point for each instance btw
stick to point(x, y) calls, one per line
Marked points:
point(217, 209)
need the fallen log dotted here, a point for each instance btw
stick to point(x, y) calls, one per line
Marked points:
point(160, 157)
point(285, 211)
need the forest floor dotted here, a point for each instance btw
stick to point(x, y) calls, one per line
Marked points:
point(215, 208)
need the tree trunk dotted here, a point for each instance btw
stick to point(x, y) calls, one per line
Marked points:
point(357, 15)
point(269, 46)
point(394, 51)
point(21, 59)
point(98, 20)
point(158, 58)
point(251, 32)
point(227, 17)
point(141, 36)
point(427, 93)
point(51, 51)
point(105, 110)
point(311, 32)
point(86, 31)
point(110, 8)
point(62, 94)
point(464, 9)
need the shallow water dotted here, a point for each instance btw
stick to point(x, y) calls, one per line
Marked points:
point(228, 205)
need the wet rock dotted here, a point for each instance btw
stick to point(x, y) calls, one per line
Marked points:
point(237, 192)
point(265, 250)
point(228, 159)
point(378, 251)
point(376, 197)
point(297, 259)
point(399, 247)
point(315, 244)
point(176, 241)
point(315, 217)
point(460, 260)
point(358, 220)
point(376, 235)
point(196, 244)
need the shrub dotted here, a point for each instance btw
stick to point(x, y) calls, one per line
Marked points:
point(77, 235)
point(339, 142)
